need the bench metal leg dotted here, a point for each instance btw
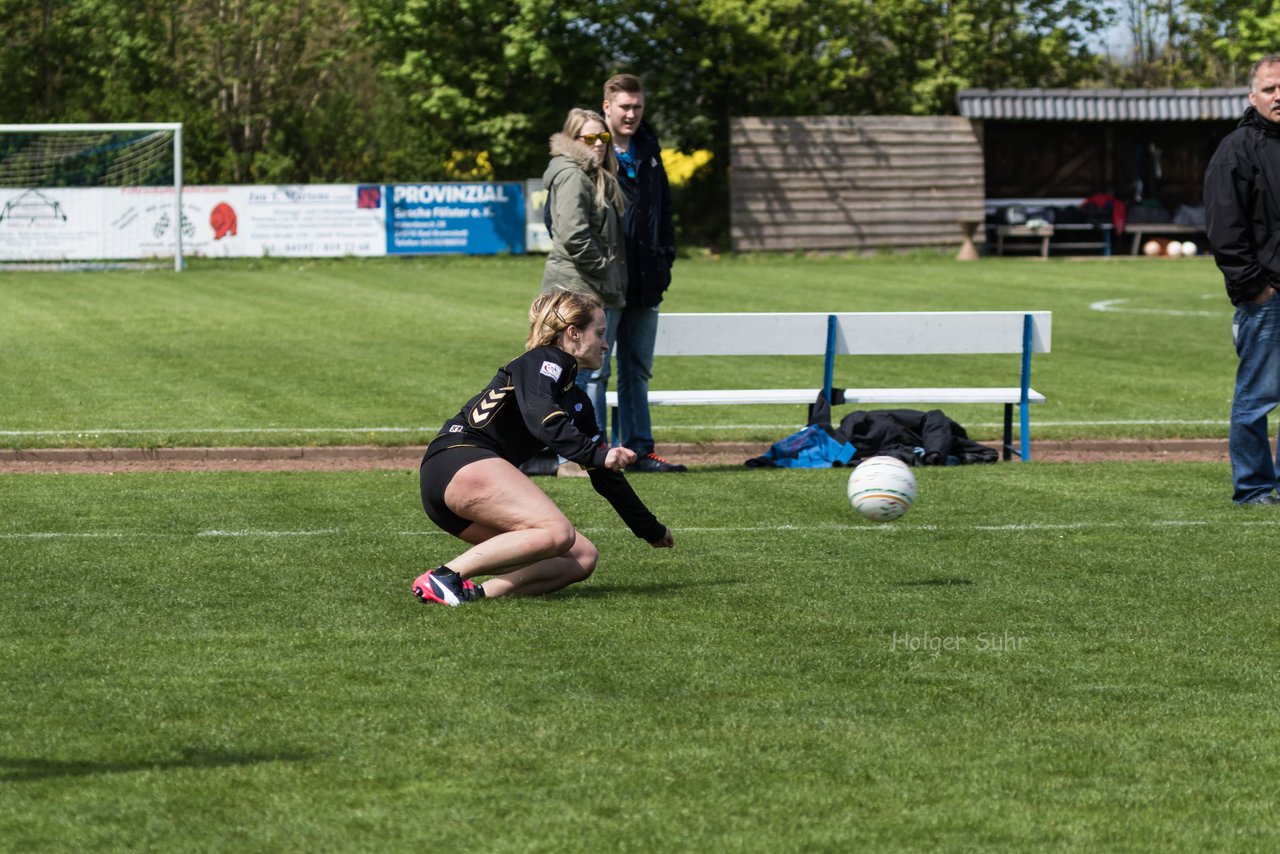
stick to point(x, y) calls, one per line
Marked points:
point(1023, 449)
point(1008, 432)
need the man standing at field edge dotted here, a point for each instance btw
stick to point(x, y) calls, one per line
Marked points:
point(1242, 222)
point(650, 240)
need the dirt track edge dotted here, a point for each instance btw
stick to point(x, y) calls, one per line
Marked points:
point(355, 457)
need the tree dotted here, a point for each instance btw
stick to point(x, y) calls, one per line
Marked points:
point(410, 90)
point(706, 61)
point(1193, 43)
point(265, 67)
point(1223, 38)
point(493, 76)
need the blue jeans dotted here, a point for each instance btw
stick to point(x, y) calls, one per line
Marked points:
point(631, 333)
point(634, 348)
point(596, 383)
point(1256, 330)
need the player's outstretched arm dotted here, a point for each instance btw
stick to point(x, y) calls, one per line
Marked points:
point(619, 458)
point(667, 541)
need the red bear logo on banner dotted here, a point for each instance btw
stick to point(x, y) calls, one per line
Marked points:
point(223, 220)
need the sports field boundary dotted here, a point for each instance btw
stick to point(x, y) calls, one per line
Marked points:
point(349, 457)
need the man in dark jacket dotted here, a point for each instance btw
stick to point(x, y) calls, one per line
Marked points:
point(1242, 222)
point(649, 237)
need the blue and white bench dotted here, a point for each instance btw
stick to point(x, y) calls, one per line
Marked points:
point(859, 334)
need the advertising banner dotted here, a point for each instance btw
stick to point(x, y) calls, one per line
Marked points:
point(473, 219)
point(310, 221)
point(72, 225)
point(293, 221)
point(536, 236)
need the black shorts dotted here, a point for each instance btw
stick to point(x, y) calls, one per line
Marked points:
point(439, 465)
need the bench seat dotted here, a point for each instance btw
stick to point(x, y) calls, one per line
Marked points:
point(729, 397)
point(832, 334)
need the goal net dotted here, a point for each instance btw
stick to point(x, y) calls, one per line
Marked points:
point(85, 195)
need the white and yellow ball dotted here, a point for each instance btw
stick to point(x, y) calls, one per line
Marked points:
point(1152, 248)
point(882, 488)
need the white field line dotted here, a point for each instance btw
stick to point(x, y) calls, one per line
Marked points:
point(75, 535)
point(322, 532)
point(857, 527)
point(1118, 305)
point(142, 535)
point(150, 431)
point(791, 425)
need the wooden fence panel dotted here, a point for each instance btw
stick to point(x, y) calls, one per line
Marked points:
point(854, 183)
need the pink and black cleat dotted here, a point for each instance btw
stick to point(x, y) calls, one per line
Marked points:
point(446, 587)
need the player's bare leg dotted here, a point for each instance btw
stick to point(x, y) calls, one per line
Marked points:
point(518, 534)
point(534, 579)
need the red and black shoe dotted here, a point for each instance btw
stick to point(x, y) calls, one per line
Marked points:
point(651, 462)
point(446, 587)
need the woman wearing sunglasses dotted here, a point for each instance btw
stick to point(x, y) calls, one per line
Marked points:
point(585, 205)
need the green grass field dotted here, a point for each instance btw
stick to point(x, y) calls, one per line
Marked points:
point(1038, 656)
point(382, 351)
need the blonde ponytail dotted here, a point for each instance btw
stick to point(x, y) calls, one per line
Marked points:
point(555, 310)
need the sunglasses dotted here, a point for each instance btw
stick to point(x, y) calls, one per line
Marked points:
point(590, 138)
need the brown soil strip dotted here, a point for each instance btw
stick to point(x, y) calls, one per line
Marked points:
point(357, 457)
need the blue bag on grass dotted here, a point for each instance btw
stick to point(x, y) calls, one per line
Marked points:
point(811, 448)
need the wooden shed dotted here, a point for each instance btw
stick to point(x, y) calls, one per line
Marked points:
point(1134, 144)
point(871, 183)
point(853, 184)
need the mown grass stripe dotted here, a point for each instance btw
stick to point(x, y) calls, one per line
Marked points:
point(903, 527)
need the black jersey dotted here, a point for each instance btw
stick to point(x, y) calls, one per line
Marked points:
point(532, 403)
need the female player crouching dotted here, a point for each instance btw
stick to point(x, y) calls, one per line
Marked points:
point(472, 486)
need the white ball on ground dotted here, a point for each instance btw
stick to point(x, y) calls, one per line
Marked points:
point(882, 488)
point(1174, 249)
point(1151, 247)
point(1189, 248)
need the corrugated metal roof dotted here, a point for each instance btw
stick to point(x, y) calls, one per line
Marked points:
point(1103, 105)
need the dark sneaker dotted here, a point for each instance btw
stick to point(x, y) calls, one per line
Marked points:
point(541, 464)
point(653, 463)
point(445, 587)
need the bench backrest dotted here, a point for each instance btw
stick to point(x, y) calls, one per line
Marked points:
point(854, 333)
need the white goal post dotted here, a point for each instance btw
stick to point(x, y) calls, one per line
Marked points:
point(79, 193)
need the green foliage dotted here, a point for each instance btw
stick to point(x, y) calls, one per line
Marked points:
point(701, 214)
point(487, 75)
point(1236, 34)
point(233, 662)
point(1193, 43)
point(786, 58)
point(707, 61)
point(318, 90)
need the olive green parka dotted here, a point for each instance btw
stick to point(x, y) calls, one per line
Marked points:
point(587, 251)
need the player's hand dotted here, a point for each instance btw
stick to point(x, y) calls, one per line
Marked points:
point(665, 542)
point(1267, 293)
point(619, 458)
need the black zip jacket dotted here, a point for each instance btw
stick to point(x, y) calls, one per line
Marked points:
point(532, 403)
point(1242, 207)
point(647, 227)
